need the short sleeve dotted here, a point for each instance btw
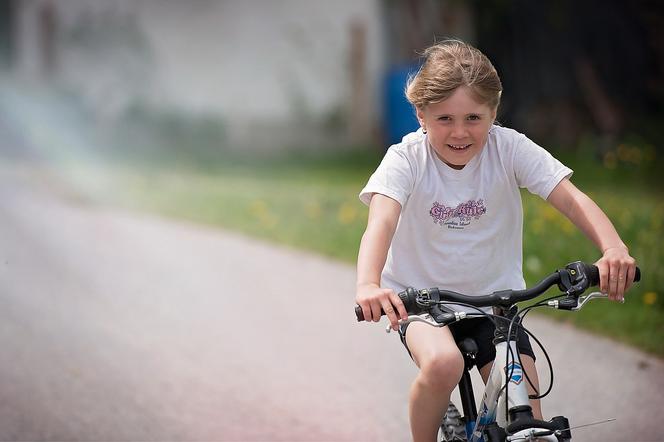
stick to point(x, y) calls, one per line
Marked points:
point(394, 178)
point(536, 169)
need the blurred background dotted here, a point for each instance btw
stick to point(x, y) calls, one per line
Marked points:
point(267, 118)
point(201, 109)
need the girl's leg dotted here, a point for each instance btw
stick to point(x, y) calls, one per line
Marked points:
point(441, 365)
point(531, 370)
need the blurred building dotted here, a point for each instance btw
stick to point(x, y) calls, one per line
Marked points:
point(289, 72)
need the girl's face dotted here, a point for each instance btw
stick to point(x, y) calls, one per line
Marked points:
point(457, 127)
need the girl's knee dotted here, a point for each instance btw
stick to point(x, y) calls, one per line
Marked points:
point(442, 370)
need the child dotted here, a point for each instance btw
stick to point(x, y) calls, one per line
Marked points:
point(445, 211)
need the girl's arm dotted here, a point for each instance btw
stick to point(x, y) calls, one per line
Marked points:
point(383, 218)
point(616, 267)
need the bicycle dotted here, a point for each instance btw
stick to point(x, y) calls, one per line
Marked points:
point(504, 413)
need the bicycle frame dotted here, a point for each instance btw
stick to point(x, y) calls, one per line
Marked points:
point(493, 401)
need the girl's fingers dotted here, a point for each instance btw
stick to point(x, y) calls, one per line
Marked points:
point(366, 311)
point(622, 283)
point(389, 311)
point(631, 272)
point(626, 278)
point(375, 311)
point(401, 309)
point(603, 277)
point(614, 271)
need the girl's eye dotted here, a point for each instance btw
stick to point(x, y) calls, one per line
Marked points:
point(444, 118)
point(473, 117)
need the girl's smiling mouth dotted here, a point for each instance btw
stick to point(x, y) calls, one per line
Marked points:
point(459, 146)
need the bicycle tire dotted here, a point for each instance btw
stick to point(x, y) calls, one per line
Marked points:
point(453, 427)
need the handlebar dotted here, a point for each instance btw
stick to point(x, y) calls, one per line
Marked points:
point(572, 280)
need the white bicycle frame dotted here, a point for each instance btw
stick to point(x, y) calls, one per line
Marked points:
point(492, 407)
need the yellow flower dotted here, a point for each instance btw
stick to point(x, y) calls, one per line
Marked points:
point(549, 212)
point(623, 152)
point(649, 298)
point(347, 213)
point(261, 212)
point(313, 210)
point(258, 208)
point(610, 160)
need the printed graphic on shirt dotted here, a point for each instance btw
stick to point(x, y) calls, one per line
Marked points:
point(457, 217)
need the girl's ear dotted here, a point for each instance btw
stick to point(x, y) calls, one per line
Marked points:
point(420, 115)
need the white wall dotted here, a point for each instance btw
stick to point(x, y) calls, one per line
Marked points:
point(253, 62)
point(260, 57)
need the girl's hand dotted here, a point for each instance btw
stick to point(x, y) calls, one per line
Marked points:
point(616, 272)
point(372, 299)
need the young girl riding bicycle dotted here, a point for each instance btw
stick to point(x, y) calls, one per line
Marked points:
point(445, 211)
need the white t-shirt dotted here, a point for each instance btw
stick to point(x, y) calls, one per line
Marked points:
point(461, 229)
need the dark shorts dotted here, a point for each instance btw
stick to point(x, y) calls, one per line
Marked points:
point(481, 330)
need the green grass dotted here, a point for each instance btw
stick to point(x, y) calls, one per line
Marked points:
point(310, 202)
point(550, 240)
point(302, 203)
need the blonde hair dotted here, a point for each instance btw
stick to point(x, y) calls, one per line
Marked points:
point(449, 65)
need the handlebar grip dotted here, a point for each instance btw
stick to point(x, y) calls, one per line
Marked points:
point(359, 313)
point(407, 298)
point(593, 275)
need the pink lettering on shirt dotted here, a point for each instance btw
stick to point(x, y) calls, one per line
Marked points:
point(465, 212)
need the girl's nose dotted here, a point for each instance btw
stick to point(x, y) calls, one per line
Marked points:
point(459, 130)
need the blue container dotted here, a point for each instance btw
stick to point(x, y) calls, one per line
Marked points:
point(399, 114)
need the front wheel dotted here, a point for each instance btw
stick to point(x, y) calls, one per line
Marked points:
point(453, 427)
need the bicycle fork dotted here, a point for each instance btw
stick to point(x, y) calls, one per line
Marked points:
point(518, 424)
point(493, 403)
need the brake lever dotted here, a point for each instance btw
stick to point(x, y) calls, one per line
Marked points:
point(427, 319)
point(414, 318)
point(594, 295)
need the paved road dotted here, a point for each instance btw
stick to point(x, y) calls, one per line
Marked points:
point(117, 326)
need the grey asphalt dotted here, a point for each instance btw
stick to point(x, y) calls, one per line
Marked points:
point(122, 326)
